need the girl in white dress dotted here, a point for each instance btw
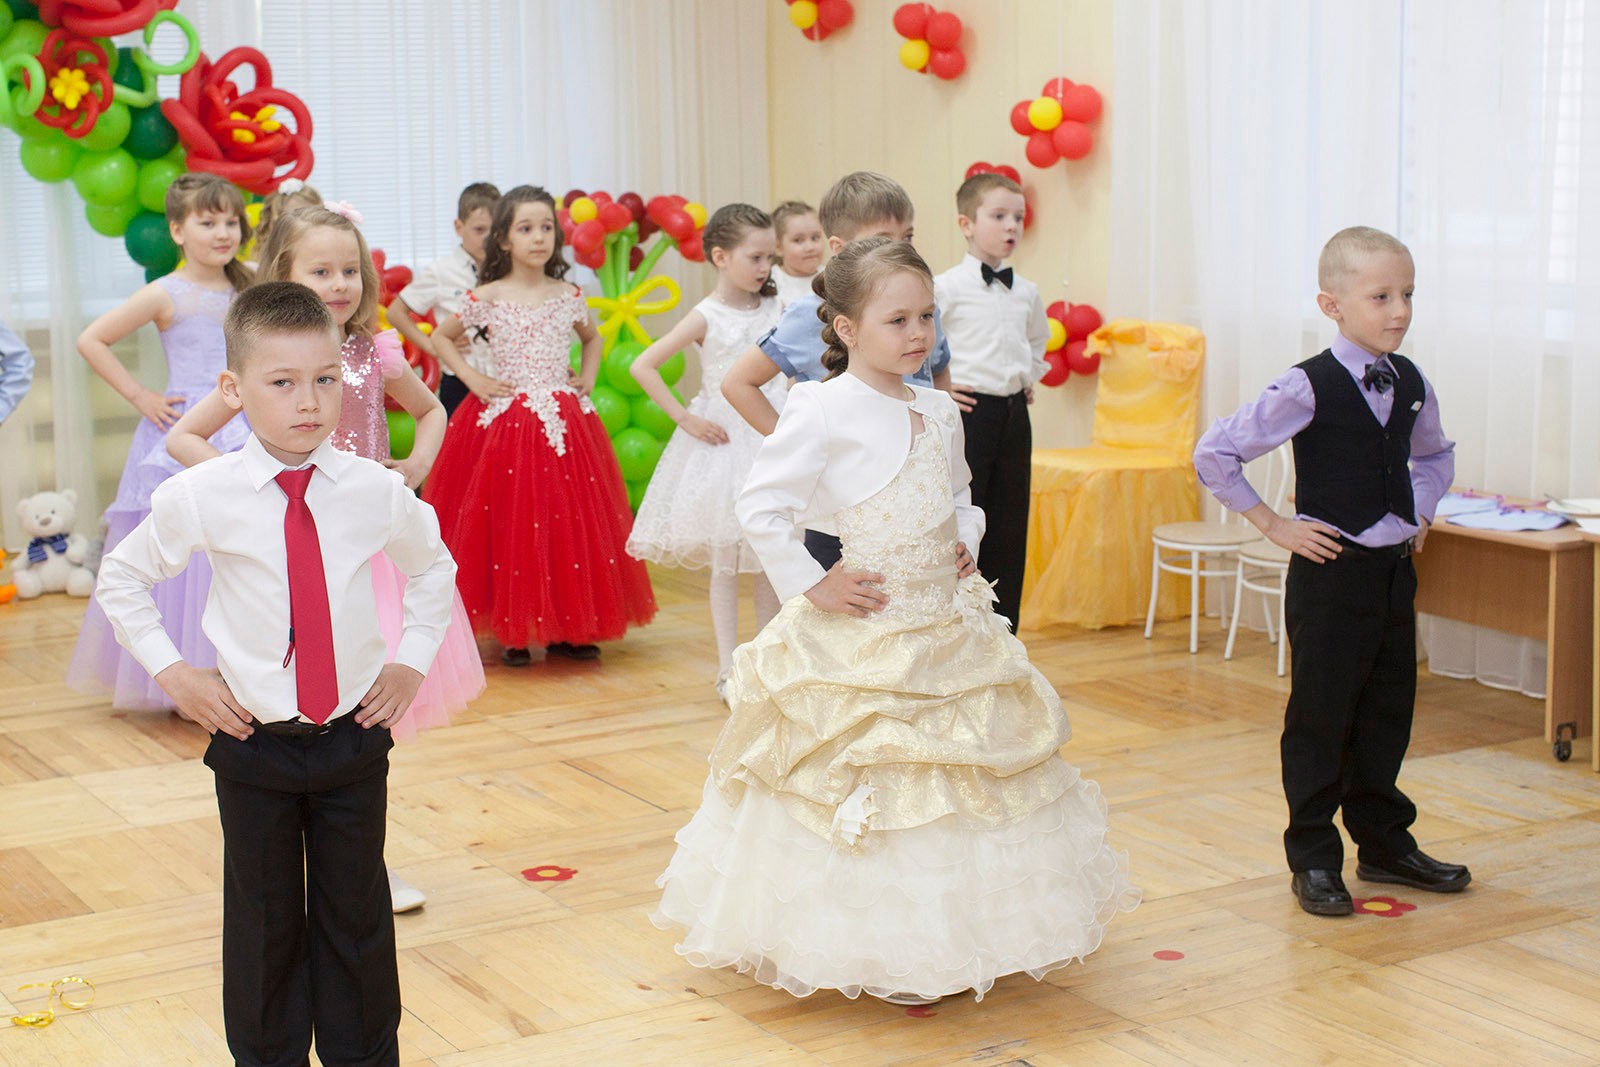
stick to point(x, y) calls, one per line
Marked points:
point(800, 249)
point(686, 518)
point(887, 809)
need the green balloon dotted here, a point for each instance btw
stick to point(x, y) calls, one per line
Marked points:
point(6, 19)
point(616, 367)
point(125, 71)
point(402, 434)
point(637, 453)
point(26, 37)
point(611, 406)
point(110, 129)
point(154, 177)
point(106, 178)
point(111, 221)
point(150, 135)
point(50, 161)
point(648, 416)
point(149, 243)
point(672, 369)
point(575, 356)
point(636, 494)
point(22, 9)
point(31, 129)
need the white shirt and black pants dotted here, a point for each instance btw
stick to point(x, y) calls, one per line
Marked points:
point(997, 329)
point(308, 943)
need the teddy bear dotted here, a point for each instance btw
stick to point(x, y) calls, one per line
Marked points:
point(53, 562)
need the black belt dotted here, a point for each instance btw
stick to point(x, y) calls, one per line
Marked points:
point(1351, 548)
point(1019, 397)
point(301, 727)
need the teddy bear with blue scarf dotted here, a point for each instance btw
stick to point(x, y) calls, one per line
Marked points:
point(53, 561)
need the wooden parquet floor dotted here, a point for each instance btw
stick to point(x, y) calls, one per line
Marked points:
point(110, 863)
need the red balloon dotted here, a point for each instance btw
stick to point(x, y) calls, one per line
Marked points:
point(1020, 120)
point(378, 259)
point(594, 259)
point(1081, 320)
point(614, 217)
point(634, 203)
point(1041, 150)
point(834, 14)
point(655, 206)
point(600, 198)
point(588, 236)
point(678, 224)
point(980, 168)
point(1027, 214)
point(1058, 372)
point(1079, 361)
point(396, 278)
point(1057, 311)
point(944, 30)
point(1057, 88)
point(1071, 140)
point(646, 228)
point(691, 249)
point(635, 257)
point(816, 31)
point(947, 63)
point(572, 194)
point(910, 20)
point(1009, 171)
point(1081, 103)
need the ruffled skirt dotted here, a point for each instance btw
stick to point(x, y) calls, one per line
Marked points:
point(456, 676)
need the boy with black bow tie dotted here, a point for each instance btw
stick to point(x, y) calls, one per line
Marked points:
point(1371, 462)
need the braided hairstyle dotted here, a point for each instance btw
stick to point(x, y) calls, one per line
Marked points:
point(729, 225)
point(850, 279)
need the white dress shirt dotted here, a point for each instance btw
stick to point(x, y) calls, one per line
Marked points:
point(441, 287)
point(231, 509)
point(997, 335)
point(836, 443)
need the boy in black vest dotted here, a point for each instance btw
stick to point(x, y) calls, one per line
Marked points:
point(1371, 462)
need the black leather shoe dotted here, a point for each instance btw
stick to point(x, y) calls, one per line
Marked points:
point(1322, 893)
point(562, 648)
point(1419, 871)
point(515, 657)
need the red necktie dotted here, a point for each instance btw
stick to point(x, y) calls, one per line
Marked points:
point(316, 678)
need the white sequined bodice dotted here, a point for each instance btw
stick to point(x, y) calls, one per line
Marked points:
point(529, 346)
point(906, 531)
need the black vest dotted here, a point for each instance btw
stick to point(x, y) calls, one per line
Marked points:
point(1350, 471)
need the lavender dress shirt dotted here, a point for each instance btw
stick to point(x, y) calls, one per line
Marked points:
point(1286, 408)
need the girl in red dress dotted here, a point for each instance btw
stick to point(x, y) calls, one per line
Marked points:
point(530, 499)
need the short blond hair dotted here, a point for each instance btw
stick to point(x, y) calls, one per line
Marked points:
point(268, 309)
point(970, 196)
point(860, 199)
point(1340, 254)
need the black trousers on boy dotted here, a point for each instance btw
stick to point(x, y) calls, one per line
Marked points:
point(1000, 453)
point(452, 391)
point(1353, 643)
point(307, 932)
point(826, 549)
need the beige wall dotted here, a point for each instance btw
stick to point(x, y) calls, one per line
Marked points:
point(847, 104)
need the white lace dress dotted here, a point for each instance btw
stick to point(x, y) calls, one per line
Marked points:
point(887, 809)
point(686, 518)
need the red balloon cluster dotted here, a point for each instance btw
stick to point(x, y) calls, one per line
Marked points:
point(390, 281)
point(1056, 122)
point(933, 40)
point(587, 219)
point(818, 18)
point(238, 135)
point(101, 18)
point(1070, 327)
point(1010, 172)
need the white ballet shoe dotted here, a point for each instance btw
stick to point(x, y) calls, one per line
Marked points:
point(405, 896)
point(908, 1000)
point(722, 688)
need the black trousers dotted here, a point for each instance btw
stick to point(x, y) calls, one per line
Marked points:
point(1000, 453)
point(826, 549)
point(307, 932)
point(1352, 628)
point(451, 393)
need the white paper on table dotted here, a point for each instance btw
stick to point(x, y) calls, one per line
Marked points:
point(1509, 519)
point(1462, 504)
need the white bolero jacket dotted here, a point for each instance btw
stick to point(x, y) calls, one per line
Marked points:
point(837, 443)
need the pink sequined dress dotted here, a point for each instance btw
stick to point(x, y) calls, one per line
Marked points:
point(529, 496)
point(456, 676)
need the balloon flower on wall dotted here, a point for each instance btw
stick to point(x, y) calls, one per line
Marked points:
point(608, 236)
point(818, 18)
point(1008, 171)
point(1070, 327)
point(933, 40)
point(89, 112)
point(1056, 122)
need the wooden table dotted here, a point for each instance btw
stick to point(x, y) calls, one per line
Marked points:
point(1594, 696)
point(1539, 585)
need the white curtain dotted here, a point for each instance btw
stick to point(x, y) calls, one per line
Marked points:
point(1250, 130)
point(411, 100)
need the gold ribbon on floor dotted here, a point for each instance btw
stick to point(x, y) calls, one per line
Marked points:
point(76, 1001)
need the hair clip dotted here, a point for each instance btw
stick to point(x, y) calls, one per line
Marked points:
point(291, 185)
point(345, 208)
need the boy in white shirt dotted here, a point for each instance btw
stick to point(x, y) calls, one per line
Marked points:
point(300, 702)
point(995, 321)
point(443, 285)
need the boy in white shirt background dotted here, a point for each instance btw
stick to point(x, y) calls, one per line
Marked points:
point(995, 322)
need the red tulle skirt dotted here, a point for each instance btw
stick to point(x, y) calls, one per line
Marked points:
point(538, 538)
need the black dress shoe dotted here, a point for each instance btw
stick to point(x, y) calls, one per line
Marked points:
point(1322, 893)
point(515, 657)
point(1419, 871)
point(562, 648)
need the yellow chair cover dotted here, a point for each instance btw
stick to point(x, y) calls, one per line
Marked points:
point(1093, 509)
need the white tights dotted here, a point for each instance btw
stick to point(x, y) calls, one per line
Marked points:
point(725, 612)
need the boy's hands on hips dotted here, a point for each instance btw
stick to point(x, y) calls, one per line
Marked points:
point(203, 697)
point(1313, 540)
point(390, 696)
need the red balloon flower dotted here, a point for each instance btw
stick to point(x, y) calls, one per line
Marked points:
point(1056, 121)
point(101, 18)
point(238, 135)
point(77, 83)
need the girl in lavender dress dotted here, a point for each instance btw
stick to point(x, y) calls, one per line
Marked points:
point(206, 216)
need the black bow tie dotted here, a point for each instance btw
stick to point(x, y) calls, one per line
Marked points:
point(1003, 275)
point(1379, 377)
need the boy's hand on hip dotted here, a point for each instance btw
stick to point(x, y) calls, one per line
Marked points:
point(390, 696)
point(1313, 540)
point(203, 697)
point(965, 564)
point(848, 592)
point(965, 396)
point(1423, 526)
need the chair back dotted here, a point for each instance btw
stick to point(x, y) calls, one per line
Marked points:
point(1148, 395)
